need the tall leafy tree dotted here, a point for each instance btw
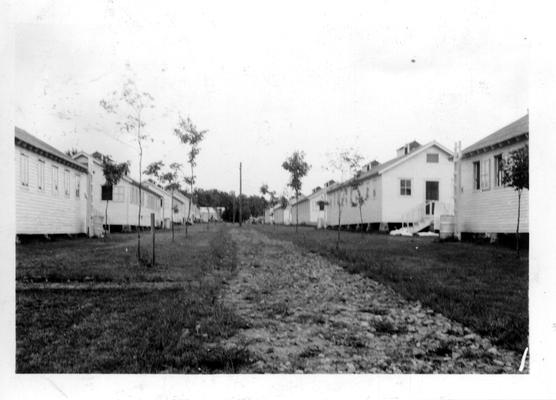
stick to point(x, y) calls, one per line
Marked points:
point(130, 104)
point(298, 169)
point(113, 173)
point(516, 175)
point(191, 137)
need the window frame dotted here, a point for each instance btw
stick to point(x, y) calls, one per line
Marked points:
point(24, 170)
point(118, 194)
point(477, 175)
point(77, 178)
point(41, 178)
point(55, 179)
point(433, 162)
point(485, 174)
point(67, 182)
point(405, 188)
point(498, 170)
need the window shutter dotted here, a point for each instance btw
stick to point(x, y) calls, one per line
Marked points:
point(489, 173)
point(106, 193)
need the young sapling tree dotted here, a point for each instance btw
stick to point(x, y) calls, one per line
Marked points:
point(346, 162)
point(298, 169)
point(113, 173)
point(171, 180)
point(130, 104)
point(191, 137)
point(516, 175)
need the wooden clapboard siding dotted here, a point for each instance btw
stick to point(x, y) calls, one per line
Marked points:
point(45, 212)
point(119, 212)
point(267, 217)
point(279, 216)
point(418, 171)
point(387, 205)
point(183, 207)
point(493, 210)
point(303, 207)
point(371, 210)
point(314, 210)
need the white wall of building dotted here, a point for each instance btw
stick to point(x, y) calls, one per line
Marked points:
point(418, 170)
point(42, 209)
point(371, 210)
point(493, 209)
point(123, 209)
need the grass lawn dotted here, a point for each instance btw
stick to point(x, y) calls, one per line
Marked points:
point(127, 330)
point(482, 286)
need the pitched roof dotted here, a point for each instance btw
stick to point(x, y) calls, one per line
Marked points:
point(25, 139)
point(412, 146)
point(145, 185)
point(380, 168)
point(515, 131)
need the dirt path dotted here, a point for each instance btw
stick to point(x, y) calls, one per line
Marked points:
point(306, 314)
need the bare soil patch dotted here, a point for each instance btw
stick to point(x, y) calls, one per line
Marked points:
point(305, 313)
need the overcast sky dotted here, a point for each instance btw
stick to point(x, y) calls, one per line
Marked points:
point(267, 79)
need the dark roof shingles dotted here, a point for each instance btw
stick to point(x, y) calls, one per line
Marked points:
point(26, 137)
point(516, 128)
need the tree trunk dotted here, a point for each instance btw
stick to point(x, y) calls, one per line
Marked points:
point(105, 219)
point(296, 211)
point(361, 217)
point(172, 214)
point(140, 193)
point(190, 200)
point(339, 222)
point(518, 216)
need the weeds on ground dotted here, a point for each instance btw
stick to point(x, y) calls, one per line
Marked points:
point(481, 286)
point(134, 330)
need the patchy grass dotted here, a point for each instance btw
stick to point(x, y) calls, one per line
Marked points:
point(482, 286)
point(387, 327)
point(127, 330)
point(113, 259)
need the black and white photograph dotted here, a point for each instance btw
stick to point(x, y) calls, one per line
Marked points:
point(302, 191)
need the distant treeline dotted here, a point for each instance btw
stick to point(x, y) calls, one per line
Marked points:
point(252, 206)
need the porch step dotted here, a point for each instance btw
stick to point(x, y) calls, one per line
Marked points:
point(421, 225)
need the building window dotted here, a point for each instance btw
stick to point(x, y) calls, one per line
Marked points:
point(476, 175)
point(498, 170)
point(405, 187)
point(432, 158)
point(66, 183)
point(77, 186)
point(40, 175)
point(135, 192)
point(485, 174)
point(119, 194)
point(106, 192)
point(54, 179)
point(24, 170)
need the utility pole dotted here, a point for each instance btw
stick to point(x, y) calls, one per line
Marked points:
point(239, 194)
point(233, 207)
